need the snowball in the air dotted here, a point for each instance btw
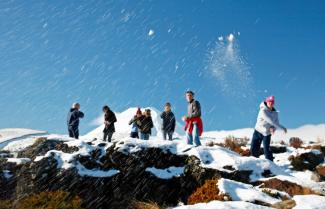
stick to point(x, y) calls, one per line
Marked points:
point(231, 37)
point(151, 32)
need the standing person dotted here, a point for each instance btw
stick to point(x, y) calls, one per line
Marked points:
point(194, 124)
point(145, 125)
point(169, 122)
point(133, 122)
point(109, 120)
point(267, 123)
point(73, 120)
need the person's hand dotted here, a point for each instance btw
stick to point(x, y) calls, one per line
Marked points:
point(272, 130)
point(184, 118)
point(285, 130)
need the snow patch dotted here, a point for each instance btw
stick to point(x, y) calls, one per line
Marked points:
point(243, 192)
point(309, 202)
point(166, 173)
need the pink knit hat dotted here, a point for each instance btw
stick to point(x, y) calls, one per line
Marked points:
point(270, 99)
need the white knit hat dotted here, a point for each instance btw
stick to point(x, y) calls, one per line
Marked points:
point(74, 105)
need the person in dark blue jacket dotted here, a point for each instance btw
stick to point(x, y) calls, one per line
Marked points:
point(73, 120)
point(168, 122)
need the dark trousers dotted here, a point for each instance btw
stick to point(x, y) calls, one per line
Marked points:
point(73, 132)
point(169, 134)
point(134, 135)
point(257, 140)
point(107, 136)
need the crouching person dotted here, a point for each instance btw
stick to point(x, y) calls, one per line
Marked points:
point(73, 120)
point(168, 122)
point(267, 123)
point(145, 125)
point(133, 123)
point(109, 120)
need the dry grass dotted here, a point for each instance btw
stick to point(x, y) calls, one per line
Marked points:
point(286, 186)
point(234, 144)
point(207, 192)
point(295, 142)
point(146, 205)
point(50, 200)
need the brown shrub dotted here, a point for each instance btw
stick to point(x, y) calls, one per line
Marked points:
point(236, 144)
point(295, 142)
point(207, 192)
point(286, 186)
point(50, 200)
point(321, 170)
point(6, 204)
point(286, 204)
point(146, 205)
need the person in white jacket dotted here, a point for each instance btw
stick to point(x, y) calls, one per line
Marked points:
point(267, 123)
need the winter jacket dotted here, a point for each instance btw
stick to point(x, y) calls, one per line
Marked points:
point(73, 117)
point(194, 109)
point(168, 121)
point(133, 122)
point(145, 124)
point(267, 119)
point(189, 124)
point(110, 119)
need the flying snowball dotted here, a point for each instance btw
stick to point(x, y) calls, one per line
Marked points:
point(151, 32)
point(231, 37)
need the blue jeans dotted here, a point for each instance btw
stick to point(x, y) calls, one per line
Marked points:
point(169, 134)
point(144, 136)
point(195, 135)
point(73, 132)
point(258, 138)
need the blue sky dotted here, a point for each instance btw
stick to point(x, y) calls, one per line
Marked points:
point(53, 53)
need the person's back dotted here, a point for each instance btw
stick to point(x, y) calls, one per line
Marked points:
point(73, 117)
point(168, 122)
point(73, 120)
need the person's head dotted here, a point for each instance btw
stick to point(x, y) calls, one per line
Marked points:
point(189, 95)
point(76, 105)
point(147, 112)
point(168, 107)
point(105, 109)
point(138, 113)
point(270, 102)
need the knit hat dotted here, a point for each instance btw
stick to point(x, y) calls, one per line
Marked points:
point(270, 99)
point(139, 111)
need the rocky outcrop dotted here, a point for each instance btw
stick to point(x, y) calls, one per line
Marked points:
point(307, 161)
point(132, 182)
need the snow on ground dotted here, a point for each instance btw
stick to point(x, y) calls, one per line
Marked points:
point(166, 173)
point(211, 157)
point(11, 133)
point(308, 133)
point(15, 135)
point(67, 160)
point(243, 192)
point(18, 161)
point(309, 202)
point(223, 205)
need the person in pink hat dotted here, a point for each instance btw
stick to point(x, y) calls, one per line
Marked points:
point(266, 125)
